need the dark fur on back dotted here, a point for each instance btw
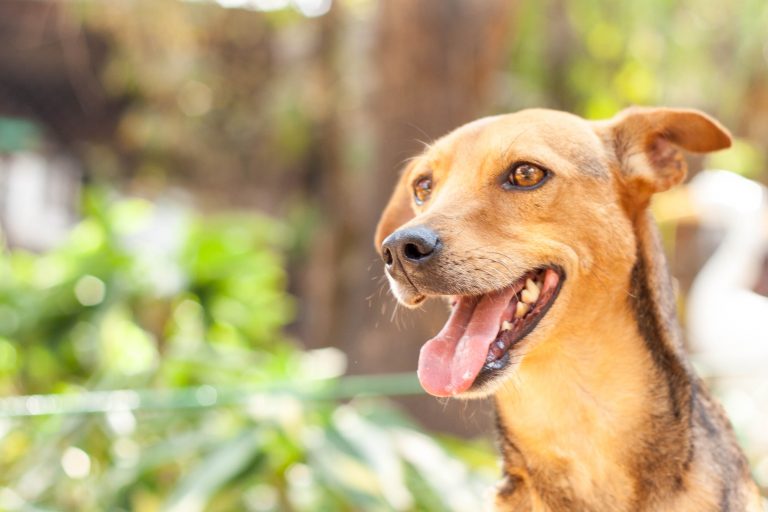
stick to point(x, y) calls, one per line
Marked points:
point(666, 452)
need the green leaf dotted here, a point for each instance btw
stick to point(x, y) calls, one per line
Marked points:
point(196, 487)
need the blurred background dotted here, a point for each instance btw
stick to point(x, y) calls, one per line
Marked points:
point(192, 315)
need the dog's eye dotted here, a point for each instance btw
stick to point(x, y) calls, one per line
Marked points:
point(422, 189)
point(526, 176)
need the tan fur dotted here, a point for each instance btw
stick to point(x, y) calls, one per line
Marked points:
point(601, 410)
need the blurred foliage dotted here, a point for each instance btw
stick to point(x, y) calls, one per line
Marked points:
point(245, 92)
point(147, 296)
point(135, 282)
point(205, 88)
point(598, 56)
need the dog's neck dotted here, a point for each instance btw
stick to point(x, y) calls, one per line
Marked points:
point(597, 376)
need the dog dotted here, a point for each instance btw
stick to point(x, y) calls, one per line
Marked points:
point(534, 227)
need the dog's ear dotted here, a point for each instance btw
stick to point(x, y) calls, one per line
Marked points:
point(647, 143)
point(398, 210)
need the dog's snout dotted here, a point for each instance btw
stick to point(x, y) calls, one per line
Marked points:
point(411, 246)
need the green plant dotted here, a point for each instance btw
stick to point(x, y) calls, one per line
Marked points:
point(157, 339)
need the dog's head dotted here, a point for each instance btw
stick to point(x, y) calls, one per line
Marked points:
point(517, 220)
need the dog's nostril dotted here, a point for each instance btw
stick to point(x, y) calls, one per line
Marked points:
point(410, 246)
point(387, 254)
point(414, 252)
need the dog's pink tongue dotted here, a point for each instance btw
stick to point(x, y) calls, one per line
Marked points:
point(450, 362)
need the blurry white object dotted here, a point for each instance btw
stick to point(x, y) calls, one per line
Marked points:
point(158, 242)
point(38, 195)
point(727, 321)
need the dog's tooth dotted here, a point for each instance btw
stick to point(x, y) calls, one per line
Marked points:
point(522, 308)
point(528, 296)
point(531, 292)
point(506, 326)
point(532, 286)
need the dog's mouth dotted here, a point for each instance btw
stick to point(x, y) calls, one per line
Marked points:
point(476, 342)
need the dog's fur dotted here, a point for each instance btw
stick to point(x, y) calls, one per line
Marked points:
point(601, 410)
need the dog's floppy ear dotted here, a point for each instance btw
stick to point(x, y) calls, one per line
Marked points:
point(647, 143)
point(398, 210)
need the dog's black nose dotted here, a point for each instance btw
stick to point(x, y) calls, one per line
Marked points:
point(411, 246)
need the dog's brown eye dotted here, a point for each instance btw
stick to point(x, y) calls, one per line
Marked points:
point(422, 189)
point(526, 176)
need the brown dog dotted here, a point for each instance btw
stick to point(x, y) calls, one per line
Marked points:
point(534, 226)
